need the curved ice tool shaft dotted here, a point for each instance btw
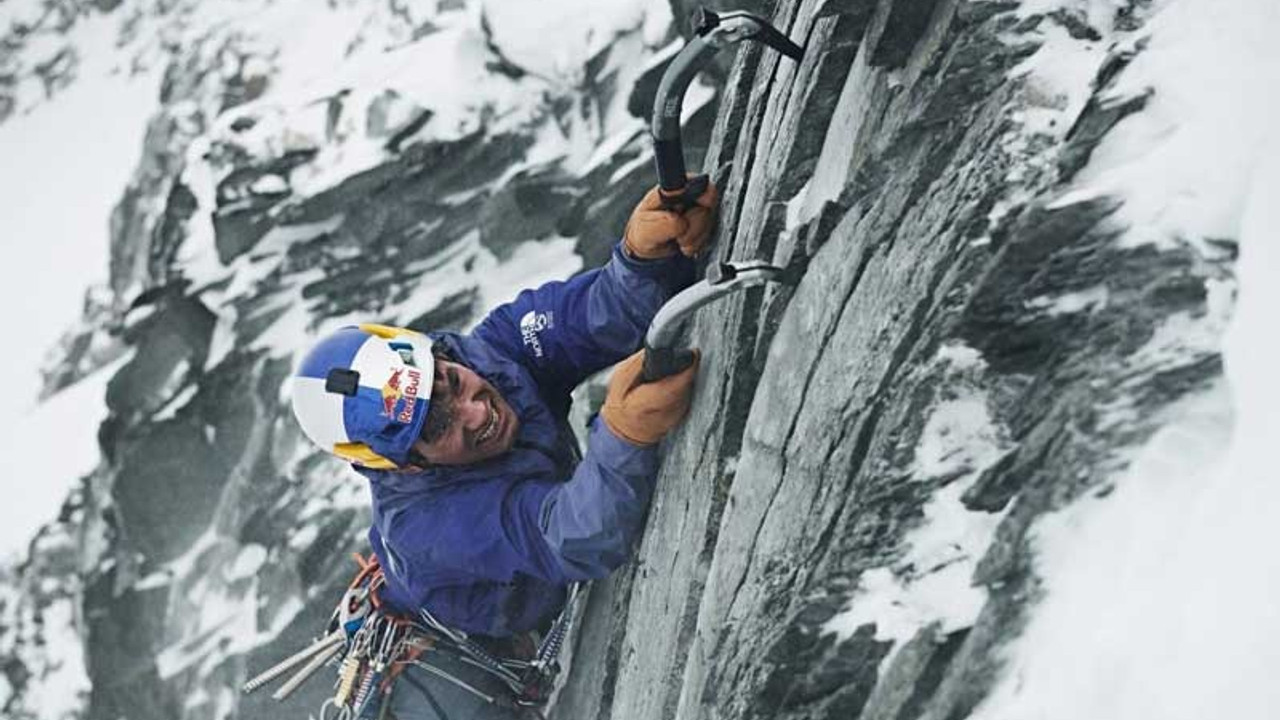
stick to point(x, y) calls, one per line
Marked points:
point(662, 355)
point(712, 33)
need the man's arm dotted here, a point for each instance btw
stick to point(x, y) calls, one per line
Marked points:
point(461, 564)
point(564, 331)
point(558, 532)
point(591, 523)
point(476, 537)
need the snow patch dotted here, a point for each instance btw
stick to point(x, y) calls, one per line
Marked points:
point(56, 229)
point(1160, 597)
point(932, 582)
point(249, 560)
point(304, 537)
point(269, 185)
point(223, 340)
point(609, 147)
point(158, 579)
point(65, 427)
point(226, 620)
point(1184, 335)
point(627, 168)
point(958, 437)
point(581, 28)
point(532, 264)
point(961, 356)
point(796, 206)
point(1069, 303)
point(179, 401)
point(62, 687)
point(1185, 163)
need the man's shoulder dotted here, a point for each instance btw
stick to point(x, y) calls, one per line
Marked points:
point(424, 518)
point(443, 489)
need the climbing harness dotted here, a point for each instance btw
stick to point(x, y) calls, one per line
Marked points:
point(371, 646)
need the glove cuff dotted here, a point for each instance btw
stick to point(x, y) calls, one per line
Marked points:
point(616, 428)
point(631, 250)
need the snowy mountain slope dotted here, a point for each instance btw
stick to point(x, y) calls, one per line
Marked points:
point(1000, 452)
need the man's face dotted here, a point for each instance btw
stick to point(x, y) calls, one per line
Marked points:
point(469, 421)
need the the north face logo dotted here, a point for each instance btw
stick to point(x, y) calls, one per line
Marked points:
point(533, 323)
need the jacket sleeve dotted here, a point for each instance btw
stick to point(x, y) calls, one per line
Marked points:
point(559, 533)
point(566, 330)
point(592, 522)
point(552, 532)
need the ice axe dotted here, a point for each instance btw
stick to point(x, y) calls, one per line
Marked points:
point(662, 355)
point(712, 33)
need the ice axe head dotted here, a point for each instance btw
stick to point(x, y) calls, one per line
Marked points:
point(737, 25)
point(712, 33)
point(685, 197)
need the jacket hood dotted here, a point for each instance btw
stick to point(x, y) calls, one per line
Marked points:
point(540, 433)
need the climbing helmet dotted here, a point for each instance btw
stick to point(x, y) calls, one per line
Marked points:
point(362, 393)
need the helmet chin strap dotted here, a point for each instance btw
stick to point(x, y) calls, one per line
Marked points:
point(363, 455)
point(416, 460)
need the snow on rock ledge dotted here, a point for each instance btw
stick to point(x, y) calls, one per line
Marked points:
point(810, 553)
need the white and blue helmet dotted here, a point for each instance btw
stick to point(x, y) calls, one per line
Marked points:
point(363, 392)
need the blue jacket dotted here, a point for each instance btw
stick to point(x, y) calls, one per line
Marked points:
point(489, 548)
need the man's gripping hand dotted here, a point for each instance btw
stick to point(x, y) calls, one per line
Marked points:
point(656, 232)
point(642, 413)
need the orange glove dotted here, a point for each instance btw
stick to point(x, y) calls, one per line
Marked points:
point(643, 412)
point(653, 232)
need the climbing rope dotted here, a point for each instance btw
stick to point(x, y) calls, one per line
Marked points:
point(372, 646)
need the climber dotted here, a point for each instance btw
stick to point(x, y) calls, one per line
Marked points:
point(484, 509)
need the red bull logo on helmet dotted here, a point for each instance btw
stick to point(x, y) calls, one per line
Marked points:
point(400, 393)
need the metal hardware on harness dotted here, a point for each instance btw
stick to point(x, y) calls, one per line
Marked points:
point(549, 649)
point(374, 647)
point(329, 641)
point(474, 654)
point(445, 675)
point(347, 676)
point(293, 683)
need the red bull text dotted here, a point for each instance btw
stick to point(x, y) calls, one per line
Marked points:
point(402, 385)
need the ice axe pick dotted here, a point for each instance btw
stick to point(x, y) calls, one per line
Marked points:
point(712, 33)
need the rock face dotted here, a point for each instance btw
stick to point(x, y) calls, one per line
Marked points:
point(961, 338)
point(879, 170)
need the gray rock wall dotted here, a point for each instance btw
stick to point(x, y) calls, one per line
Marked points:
point(933, 259)
point(878, 171)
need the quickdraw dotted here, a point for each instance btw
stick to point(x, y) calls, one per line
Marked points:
point(371, 646)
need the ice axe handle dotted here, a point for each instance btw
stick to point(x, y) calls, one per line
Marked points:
point(684, 195)
point(663, 362)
